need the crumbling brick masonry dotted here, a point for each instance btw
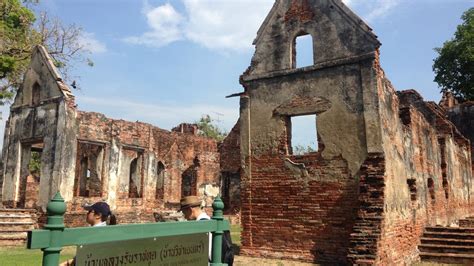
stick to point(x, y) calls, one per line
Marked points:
point(136, 167)
point(387, 164)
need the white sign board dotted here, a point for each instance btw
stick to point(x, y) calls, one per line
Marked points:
point(162, 251)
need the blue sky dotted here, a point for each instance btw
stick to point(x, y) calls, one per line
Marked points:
point(166, 62)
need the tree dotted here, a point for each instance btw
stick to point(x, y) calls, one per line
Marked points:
point(454, 67)
point(20, 33)
point(35, 163)
point(301, 150)
point(210, 130)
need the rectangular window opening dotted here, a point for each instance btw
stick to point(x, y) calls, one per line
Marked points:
point(30, 174)
point(304, 139)
point(88, 179)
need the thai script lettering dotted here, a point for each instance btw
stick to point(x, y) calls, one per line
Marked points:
point(179, 250)
point(127, 258)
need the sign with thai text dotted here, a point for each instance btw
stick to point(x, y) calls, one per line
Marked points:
point(163, 251)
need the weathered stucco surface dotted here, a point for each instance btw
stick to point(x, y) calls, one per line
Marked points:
point(39, 121)
point(306, 203)
point(137, 168)
point(231, 170)
point(428, 177)
point(387, 164)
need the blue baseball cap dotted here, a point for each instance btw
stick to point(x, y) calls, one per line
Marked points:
point(99, 207)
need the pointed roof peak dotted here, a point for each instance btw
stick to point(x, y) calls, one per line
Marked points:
point(40, 50)
point(304, 4)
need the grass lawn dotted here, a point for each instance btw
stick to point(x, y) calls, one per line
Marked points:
point(235, 234)
point(20, 256)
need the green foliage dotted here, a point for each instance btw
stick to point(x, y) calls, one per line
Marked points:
point(16, 27)
point(208, 129)
point(454, 67)
point(300, 149)
point(35, 163)
point(20, 31)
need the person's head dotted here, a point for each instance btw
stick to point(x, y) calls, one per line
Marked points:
point(99, 212)
point(191, 207)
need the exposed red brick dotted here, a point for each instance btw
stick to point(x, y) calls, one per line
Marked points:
point(299, 10)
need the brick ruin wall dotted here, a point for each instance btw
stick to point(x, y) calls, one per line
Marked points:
point(137, 168)
point(426, 180)
point(305, 206)
point(290, 217)
point(41, 120)
point(302, 206)
point(230, 166)
point(462, 115)
point(164, 161)
point(312, 207)
point(354, 200)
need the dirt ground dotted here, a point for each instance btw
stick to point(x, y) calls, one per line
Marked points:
point(245, 261)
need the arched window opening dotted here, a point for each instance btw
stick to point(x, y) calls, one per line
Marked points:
point(188, 182)
point(89, 169)
point(412, 187)
point(133, 187)
point(160, 179)
point(302, 52)
point(446, 187)
point(36, 94)
point(431, 188)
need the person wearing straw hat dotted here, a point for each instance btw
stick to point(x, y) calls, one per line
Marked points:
point(192, 211)
point(191, 208)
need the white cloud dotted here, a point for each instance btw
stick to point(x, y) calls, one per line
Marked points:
point(90, 43)
point(162, 115)
point(215, 24)
point(225, 25)
point(381, 8)
point(373, 9)
point(165, 23)
point(229, 25)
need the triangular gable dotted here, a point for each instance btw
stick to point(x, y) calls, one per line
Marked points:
point(54, 71)
point(42, 72)
point(267, 20)
point(346, 11)
point(336, 33)
point(355, 19)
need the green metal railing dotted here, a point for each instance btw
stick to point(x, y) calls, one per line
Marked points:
point(55, 236)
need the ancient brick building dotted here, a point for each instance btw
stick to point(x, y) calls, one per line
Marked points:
point(229, 150)
point(136, 167)
point(462, 115)
point(387, 164)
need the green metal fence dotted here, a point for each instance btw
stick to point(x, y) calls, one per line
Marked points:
point(55, 236)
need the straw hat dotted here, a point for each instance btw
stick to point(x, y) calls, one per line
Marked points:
point(189, 201)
